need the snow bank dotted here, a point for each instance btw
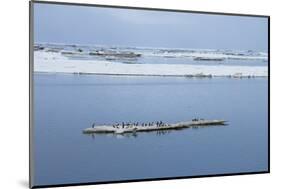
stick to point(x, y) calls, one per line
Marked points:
point(56, 63)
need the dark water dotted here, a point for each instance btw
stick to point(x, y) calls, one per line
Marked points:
point(66, 104)
point(174, 60)
point(184, 60)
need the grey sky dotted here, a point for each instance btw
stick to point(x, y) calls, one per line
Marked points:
point(124, 27)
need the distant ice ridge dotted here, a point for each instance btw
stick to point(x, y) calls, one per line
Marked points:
point(195, 54)
point(203, 54)
point(54, 62)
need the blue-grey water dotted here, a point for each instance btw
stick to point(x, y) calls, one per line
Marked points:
point(64, 105)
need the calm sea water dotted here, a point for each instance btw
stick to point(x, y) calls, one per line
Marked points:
point(67, 104)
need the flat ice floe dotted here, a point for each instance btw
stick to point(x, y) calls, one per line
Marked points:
point(54, 62)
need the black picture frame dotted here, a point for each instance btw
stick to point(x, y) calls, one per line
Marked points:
point(31, 42)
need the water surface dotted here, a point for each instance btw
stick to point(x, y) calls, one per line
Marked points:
point(67, 104)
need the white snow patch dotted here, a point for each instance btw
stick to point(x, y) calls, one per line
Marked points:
point(56, 63)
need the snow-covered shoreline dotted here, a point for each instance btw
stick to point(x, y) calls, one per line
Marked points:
point(47, 62)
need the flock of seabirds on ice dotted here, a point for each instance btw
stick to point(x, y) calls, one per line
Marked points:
point(137, 124)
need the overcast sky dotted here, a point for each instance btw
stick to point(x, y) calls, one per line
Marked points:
point(143, 28)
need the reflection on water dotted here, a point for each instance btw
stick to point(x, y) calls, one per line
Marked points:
point(156, 132)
